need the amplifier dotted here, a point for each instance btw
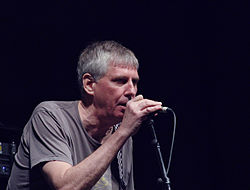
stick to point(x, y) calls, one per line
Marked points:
point(7, 152)
point(5, 169)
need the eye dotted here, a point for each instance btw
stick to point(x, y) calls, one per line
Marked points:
point(135, 82)
point(120, 80)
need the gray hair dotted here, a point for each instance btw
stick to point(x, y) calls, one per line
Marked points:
point(96, 58)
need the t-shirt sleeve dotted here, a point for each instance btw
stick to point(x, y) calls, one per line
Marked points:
point(47, 139)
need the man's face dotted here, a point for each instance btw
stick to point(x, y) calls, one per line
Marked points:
point(114, 90)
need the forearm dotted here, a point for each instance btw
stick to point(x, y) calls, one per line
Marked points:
point(85, 174)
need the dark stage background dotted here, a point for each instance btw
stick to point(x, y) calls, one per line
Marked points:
point(193, 58)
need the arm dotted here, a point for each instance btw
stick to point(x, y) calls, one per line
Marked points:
point(84, 175)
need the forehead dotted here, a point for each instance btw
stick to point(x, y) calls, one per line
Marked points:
point(122, 70)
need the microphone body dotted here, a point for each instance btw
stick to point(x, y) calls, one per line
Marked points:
point(163, 110)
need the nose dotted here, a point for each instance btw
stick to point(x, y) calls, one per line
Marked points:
point(131, 90)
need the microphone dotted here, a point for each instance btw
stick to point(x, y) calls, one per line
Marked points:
point(163, 110)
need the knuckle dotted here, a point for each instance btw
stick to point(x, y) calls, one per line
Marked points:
point(141, 96)
point(143, 104)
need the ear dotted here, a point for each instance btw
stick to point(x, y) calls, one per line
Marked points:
point(88, 83)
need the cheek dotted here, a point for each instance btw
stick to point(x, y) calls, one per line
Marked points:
point(107, 96)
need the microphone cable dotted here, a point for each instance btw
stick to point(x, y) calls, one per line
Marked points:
point(173, 139)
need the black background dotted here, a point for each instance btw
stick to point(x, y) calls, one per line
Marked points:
point(193, 58)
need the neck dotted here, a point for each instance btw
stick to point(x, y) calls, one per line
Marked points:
point(94, 125)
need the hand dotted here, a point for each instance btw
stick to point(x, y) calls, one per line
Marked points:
point(136, 112)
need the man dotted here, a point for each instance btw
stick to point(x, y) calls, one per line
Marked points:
point(86, 144)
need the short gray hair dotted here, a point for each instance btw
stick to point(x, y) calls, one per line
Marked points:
point(96, 57)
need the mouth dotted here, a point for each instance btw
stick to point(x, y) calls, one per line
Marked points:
point(123, 104)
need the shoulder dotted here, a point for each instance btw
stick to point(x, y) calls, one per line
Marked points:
point(52, 106)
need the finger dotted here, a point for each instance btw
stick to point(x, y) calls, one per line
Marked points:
point(151, 109)
point(137, 98)
point(148, 103)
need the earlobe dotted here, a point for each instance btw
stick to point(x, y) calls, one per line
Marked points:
point(88, 83)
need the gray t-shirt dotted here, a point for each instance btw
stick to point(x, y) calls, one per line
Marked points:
point(55, 132)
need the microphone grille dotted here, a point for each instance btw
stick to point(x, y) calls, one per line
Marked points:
point(164, 109)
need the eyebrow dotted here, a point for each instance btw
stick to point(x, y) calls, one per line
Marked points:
point(125, 78)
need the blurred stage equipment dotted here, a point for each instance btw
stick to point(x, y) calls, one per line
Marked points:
point(9, 140)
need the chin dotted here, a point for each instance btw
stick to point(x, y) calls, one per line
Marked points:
point(119, 116)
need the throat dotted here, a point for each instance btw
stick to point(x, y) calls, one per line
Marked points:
point(100, 136)
point(95, 126)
